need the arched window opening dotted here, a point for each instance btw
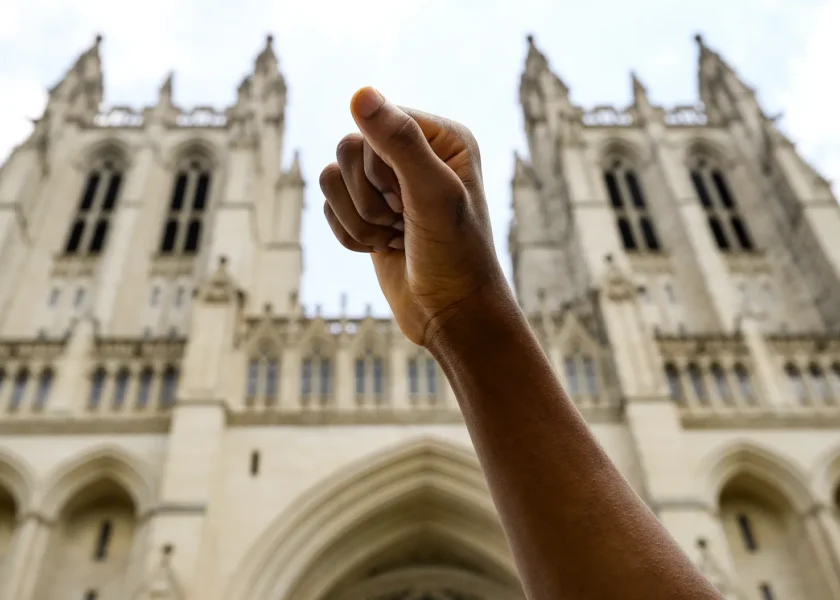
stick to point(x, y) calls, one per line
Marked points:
point(89, 232)
point(168, 388)
point(121, 387)
point(316, 378)
point(745, 385)
point(97, 387)
point(42, 395)
point(572, 375)
point(819, 383)
point(253, 381)
point(698, 385)
point(675, 389)
point(797, 384)
point(19, 390)
point(144, 388)
point(722, 384)
point(592, 387)
point(190, 195)
point(725, 222)
point(635, 226)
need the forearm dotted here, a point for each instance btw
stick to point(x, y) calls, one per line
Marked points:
point(538, 454)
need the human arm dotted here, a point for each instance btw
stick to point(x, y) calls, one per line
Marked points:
point(576, 528)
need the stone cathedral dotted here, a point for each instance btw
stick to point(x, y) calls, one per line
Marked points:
point(174, 426)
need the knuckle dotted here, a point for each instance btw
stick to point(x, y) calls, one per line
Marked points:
point(467, 137)
point(405, 134)
point(330, 176)
point(373, 213)
point(349, 148)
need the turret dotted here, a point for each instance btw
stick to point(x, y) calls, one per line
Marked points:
point(725, 95)
point(78, 95)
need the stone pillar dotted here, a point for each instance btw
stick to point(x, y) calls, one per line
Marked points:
point(344, 384)
point(818, 537)
point(771, 388)
point(29, 551)
point(398, 369)
point(73, 370)
point(190, 476)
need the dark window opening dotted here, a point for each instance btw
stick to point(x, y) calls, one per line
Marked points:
point(431, 377)
point(766, 592)
point(97, 385)
point(75, 237)
point(718, 233)
point(612, 188)
point(19, 391)
point(168, 388)
point(360, 376)
point(627, 239)
point(255, 463)
point(413, 379)
point(113, 191)
point(700, 188)
point(44, 387)
point(672, 375)
point(201, 189)
point(271, 377)
point(91, 595)
point(695, 375)
point(193, 237)
point(90, 192)
point(100, 234)
point(177, 202)
point(741, 233)
point(635, 189)
point(103, 541)
point(747, 533)
point(144, 388)
point(170, 232)
point(121, 387)
point(723, 189)
point(651, 240)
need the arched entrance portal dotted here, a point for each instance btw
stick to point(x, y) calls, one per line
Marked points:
point(414, 523)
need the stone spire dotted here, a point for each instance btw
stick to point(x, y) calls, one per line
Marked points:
point(266, 63)
point(294, 176)
point(721, 88)
point(165, 91)
point(641, 102)
point(79, 93)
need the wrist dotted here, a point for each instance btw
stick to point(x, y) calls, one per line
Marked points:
point(478, 320)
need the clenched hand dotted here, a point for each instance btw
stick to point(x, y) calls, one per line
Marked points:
point(409, 191)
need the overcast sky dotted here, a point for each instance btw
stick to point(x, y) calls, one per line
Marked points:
point(458, 58)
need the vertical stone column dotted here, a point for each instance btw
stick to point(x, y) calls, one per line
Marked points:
point(29, 551)
point(398, 368)
point(670, 485)
point(191, 471)
point(70, 391)
point(819, 539)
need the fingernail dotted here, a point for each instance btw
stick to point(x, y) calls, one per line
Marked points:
point(399, 225)
point(367, 101)
point(394, 201)
point(398, 243)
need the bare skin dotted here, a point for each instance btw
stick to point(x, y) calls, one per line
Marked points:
point(409, 191)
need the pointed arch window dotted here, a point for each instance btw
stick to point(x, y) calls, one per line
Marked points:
point(423, 385)
point(144, 387)
point(184, 224)
point(797, 384)
point(698, 384)
point(19, 390)
point(91, 225)
point(168, 388)
point(370, 373)
point(42, 395)
point(675, 388)
point(635, 226)
point(726, 224)
point(97, 387)
point(121, 387)
point(263, 378)
point(316, 378)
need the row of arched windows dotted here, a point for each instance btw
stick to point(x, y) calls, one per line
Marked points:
point(138, 391)
point(696, 384)
point(21, 384)
point(182, 229)
point(262, 382)
point(581, 376)
point(635, 225)
point(813, 385)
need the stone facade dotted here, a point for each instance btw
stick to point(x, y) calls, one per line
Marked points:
point(174, 427)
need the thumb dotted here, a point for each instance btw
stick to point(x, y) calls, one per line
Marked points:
point(394, 135)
